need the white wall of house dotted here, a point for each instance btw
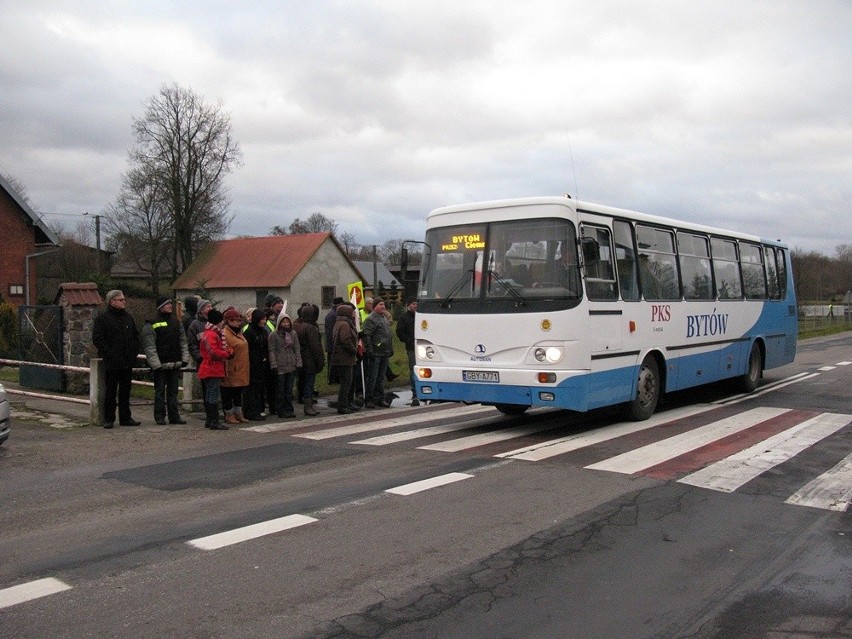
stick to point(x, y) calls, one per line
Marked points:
point(328, 267)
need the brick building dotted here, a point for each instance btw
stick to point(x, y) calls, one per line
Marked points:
point(24, 237)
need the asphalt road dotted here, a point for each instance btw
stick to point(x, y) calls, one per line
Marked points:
point(720, 517)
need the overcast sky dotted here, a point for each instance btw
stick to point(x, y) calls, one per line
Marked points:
point(735, 113)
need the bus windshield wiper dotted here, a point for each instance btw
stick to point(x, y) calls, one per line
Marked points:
point(462, 281)
point(506, 285)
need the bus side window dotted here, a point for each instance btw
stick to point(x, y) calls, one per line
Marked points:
point(625, 260)
point(598, 263)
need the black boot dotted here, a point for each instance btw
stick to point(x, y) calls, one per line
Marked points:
point(213, 422)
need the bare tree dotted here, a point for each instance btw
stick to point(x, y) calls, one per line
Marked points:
point(316, 223)
point(391, 251)
point(141, 227)
point(183, 151)
point(349, 243)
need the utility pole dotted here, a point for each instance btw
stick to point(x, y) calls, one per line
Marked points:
point(97, 238)
point(375, 273)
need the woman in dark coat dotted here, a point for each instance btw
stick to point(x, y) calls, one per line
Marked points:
point(344, 354)
point(313, 356)
point(256, 336)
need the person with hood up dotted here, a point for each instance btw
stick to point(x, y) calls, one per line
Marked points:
point(344, 355)
point(214, 353)
point(255, 334)
point(313, 357)
point(164, 342)
point(196, 330)
point(284, 358)
point(236, 368)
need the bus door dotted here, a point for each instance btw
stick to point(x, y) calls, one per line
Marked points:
point(605, 318)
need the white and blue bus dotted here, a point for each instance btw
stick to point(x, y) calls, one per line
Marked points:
point(555, 302)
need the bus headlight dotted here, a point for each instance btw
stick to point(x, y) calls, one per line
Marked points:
point(425, 352)
point(551, 354)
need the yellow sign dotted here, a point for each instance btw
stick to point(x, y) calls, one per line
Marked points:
point(473, 241)
point(355, 294)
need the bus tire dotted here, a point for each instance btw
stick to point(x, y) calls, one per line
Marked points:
point(748, 382)
point(511, 409)
point(643, 405)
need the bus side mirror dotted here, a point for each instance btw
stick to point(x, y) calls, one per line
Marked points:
point(591, 250)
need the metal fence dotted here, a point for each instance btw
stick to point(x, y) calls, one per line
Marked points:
point(97, 385)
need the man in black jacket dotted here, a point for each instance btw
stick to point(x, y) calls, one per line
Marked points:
point(405, 333)
point(164, 341)
point(116, 337)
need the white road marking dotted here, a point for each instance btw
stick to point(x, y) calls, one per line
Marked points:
point(729, 474)
point(393, 438)
point(472, 441)
point(426, 484)
point(844, 363)
point(827, 368)
point(553, 447)
point(831, 491)
point(381, 424)
point(230, 537)
point(795, 379)
point(641, 458)
point(31, 590)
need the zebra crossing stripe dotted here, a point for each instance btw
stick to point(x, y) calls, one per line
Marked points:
point(238, 535)
point(382, 424)
point(419, 433)
point(654, 454)
point(492, 437)
point(562, 445)
point(729, 474)
point(830, 491)
point(31, 590)
point(763, 390)
point(426, 484)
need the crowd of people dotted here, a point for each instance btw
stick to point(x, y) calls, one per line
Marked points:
point(256, 364)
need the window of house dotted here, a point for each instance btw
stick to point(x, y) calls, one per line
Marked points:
point(260, 299)
point(16, 289)
point(328, 294)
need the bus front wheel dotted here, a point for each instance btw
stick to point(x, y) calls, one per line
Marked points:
point(748, 382)
point(644, 403)
point(511, 409)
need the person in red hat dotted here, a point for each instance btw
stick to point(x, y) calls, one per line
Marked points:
point(236, 368)
point(214, 353)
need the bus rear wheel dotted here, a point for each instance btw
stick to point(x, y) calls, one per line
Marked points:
point(643, 405)
point(511, 409)
point(748, 382)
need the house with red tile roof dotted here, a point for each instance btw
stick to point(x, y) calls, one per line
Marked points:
point(298, 268)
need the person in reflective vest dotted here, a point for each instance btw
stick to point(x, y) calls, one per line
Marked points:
point(165, 346)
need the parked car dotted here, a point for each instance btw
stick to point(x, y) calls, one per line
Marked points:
point(5, 419)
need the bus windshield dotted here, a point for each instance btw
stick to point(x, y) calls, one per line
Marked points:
point(519, 261)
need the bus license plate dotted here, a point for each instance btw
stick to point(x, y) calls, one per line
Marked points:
point(481, 376)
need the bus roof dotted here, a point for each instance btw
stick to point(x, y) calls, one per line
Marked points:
point(434, 217)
